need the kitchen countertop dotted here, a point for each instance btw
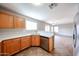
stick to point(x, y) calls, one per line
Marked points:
point(10, 35)
point(4, 37)
point(46, 34)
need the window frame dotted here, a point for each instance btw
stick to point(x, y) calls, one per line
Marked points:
point(29, 25)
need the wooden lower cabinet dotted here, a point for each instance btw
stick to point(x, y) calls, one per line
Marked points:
point(51, 44)
point(35, 40)
point(11, 46)
point(0, 49)
point(25, 42)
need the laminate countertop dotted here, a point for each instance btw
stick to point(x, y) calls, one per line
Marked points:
point(15, 34)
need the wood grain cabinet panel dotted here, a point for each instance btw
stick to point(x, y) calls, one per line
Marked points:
point(35, 40)
point(19, 22)
point(25, 42)
point(11, 46)
point(0, 49)
point(6, 20)
point(51, 43)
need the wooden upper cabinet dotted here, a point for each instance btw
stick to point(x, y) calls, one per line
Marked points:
point(11, 21)
point(35, 40)
point(11, 46)
point(25, 42)
point(19, 22)
point(6, 20)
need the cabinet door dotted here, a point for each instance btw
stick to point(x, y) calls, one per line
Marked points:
point(11, 46)
point(25, 42)
point(51, 43)
point(6, 20)
point(35, 40)
point(0, 49)
point(19, 22)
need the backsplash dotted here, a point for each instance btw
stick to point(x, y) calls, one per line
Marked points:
point(17, 31)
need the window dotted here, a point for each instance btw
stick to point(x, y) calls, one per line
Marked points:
point(52, 29)
point(31, 25)
point(47, 28)
point(56, 29)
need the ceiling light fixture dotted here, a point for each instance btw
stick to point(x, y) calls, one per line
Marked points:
point(52, 5)
point(37, 4)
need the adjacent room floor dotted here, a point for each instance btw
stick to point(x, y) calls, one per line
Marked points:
point(63, 47)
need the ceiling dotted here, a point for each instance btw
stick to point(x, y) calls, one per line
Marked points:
point(61, 14)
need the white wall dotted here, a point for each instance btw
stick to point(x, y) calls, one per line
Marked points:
point(66, 30)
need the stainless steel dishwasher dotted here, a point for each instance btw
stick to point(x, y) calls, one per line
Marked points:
point(44, 43)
